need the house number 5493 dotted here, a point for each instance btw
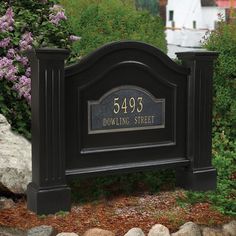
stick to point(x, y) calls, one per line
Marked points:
point(128, 105)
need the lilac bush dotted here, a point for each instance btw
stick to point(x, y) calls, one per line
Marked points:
point(7, 21)
point(27, 24)
point(9, 64)
point(57, 14)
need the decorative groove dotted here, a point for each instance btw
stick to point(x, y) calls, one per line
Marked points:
point(59, 126)
point(49, 144)
point(53, 121)
point(46, 124)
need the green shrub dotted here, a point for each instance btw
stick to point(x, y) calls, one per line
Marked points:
point(102, 21)
point(223, 40)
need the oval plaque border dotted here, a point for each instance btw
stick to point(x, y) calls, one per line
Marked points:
point(156, 100)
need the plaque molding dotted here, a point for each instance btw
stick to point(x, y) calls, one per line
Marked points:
point(134, 87)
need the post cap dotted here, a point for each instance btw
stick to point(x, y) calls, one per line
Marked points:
point(199, 55)
point(48, 53)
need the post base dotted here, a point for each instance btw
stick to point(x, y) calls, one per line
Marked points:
point(196, 180)
point(48, 201)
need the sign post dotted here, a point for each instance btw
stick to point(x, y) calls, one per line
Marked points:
point(200, 175)
point(48, 191)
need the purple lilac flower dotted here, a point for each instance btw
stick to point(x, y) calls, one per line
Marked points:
point(57, 14)
point(26, 41)
point(23, 80)
point(55, 19)
point(28, 98)
point(11, 53)
point(7, 68)
point(28, 72)
point(74, 38)
point(7, 21)
point(23, 60)
point(5, 42)
point(23, 87)
point(11, 74)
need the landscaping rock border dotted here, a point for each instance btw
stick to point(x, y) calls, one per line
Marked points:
point(188, 229)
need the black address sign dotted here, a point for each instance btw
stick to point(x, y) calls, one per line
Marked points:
point(126, 108)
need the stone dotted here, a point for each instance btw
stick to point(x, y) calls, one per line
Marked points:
point(43, 230)
point(98, 232)
point(15, 159)
point(7, 231)
point(213, 232)
point(159, 230)
point(135, 232)
point(6, 203)
point(188, 229)
point(230, 228)
point(67, 234)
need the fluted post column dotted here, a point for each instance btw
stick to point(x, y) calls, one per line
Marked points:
point(201, 175)
point(48, 191)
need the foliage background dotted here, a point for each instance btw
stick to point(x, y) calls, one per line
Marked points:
point(102, 21)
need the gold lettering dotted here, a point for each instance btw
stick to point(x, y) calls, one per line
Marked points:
point(126, 105)
point(125, 121)
point(143, 120)
point(104, 122)
point(118, 121)
point(153, 119)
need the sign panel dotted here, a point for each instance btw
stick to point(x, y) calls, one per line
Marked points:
point(126, 108)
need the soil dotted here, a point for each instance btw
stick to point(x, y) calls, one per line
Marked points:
point(118, 214)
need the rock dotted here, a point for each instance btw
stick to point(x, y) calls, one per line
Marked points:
point(6, 203)
point(42, 230)
point(67, 234)
point(15, 159)
point(213, 232)
point(98, 232)
point(159, 230)
point(135, 232)
point(188, 229)
point(230, 228)
point(6, 231)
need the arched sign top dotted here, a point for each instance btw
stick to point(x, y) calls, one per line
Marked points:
point(114, 47)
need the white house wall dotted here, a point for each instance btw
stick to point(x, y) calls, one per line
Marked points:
point(185, 13)
point(211, 15)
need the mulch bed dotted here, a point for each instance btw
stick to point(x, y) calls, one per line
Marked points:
point(118, 214)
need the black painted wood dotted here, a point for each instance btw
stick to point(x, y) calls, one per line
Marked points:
point(200, 175)
point(72, 107)
point(48, 191)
